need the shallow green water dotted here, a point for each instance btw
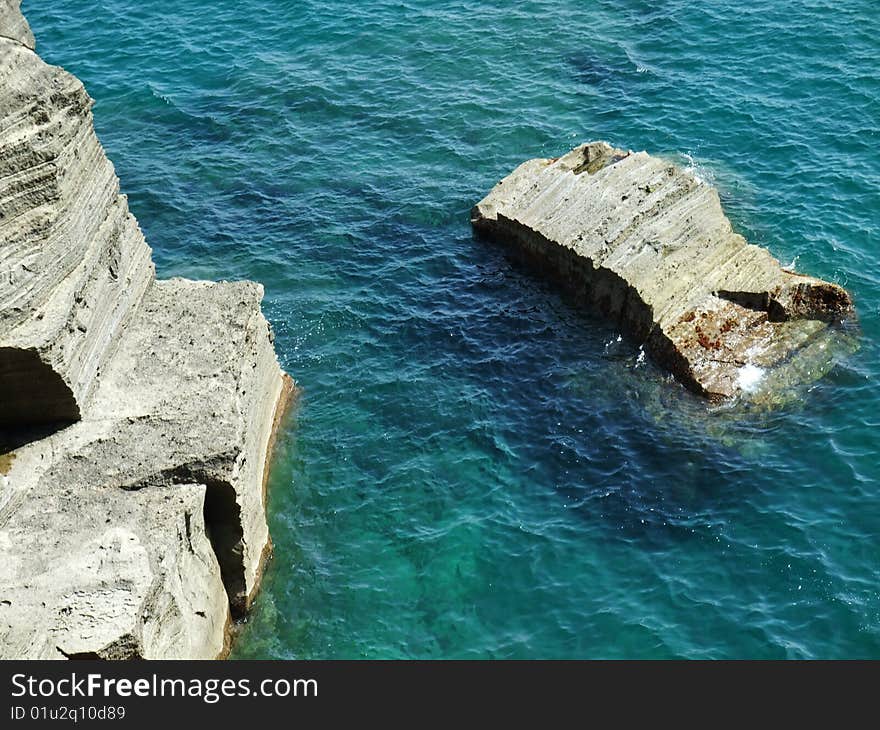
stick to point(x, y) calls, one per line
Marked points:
point(475, 468)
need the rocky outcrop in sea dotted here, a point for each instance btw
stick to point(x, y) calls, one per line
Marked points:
point(647, 244)
point(137, 416)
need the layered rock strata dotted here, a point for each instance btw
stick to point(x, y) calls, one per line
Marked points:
point(136, 416)
point(647, 244)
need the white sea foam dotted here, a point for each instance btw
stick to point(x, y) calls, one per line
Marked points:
point(748, 377)
point(702, 174)
point(610, 342)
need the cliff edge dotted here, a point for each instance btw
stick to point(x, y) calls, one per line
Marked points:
point(647, 244)
point(136, 416)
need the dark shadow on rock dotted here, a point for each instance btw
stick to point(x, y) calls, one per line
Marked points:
point(13, 438)
point(31, 392)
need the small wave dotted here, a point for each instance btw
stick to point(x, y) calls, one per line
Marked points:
point(700, 172)
point(159, 95)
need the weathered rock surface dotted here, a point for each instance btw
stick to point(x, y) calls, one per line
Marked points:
point(136, 416)
point(73, 262)
point(648, 244)
point(13, 24)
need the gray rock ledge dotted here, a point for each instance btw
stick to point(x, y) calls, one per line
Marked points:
point(647, 244)
point(137, 416)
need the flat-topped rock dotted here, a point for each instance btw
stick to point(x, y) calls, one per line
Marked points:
point(137, 530)
point(648, 244)
point(136, 416)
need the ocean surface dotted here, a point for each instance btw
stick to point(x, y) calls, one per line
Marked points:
point(475, 468)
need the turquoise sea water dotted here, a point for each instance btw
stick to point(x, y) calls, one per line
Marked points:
point(475, 468)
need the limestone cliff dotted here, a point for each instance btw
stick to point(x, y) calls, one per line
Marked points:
point(136, 416)
point(648, 244)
